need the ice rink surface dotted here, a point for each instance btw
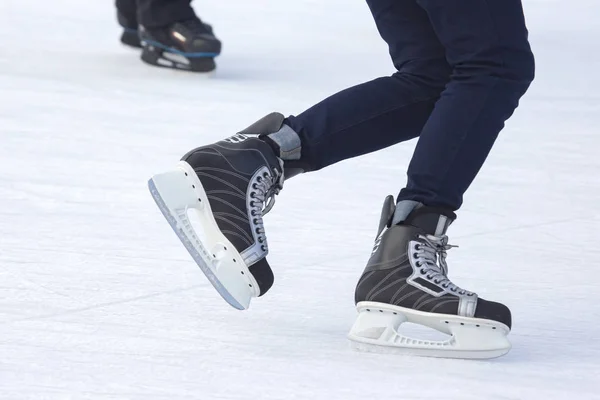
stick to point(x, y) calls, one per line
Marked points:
point(99, 300)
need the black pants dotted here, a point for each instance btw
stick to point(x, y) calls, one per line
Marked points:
point(462, 67)
point(156, 13)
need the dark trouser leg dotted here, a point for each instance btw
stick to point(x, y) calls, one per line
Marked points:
point(485, 41)
point(385, 111)
point(128, 8)
point(160, 13)
point(486, 44)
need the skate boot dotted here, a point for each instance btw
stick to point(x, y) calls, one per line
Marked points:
point(215, 201)
point(187, 45)
point(130, 36)
point(406, 280)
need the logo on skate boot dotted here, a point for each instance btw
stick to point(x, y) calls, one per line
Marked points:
point(378, 241)
point(239, 138)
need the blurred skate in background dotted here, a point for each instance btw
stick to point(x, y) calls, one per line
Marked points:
point(169, 33)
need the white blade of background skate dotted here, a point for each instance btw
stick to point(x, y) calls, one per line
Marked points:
point(98, 299)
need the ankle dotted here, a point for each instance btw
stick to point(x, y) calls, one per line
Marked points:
point(285, 142)
point(433, 220)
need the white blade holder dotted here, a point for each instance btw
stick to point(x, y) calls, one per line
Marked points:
point(179, 196)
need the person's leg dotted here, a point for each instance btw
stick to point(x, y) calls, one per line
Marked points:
point(161, 13)
point(385, 111)
point(486, 44)
point(406, 278)
point(127, 8)
point(240, 175)
point(127, 18)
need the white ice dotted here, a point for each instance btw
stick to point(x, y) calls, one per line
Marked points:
point(99, 300)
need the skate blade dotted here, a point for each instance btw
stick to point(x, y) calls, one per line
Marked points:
point(376, 329)
point(178, 192)
point(203, 66)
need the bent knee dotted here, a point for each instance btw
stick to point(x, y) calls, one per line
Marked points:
point(519, 66)
point(430, 76)
point(504, 67)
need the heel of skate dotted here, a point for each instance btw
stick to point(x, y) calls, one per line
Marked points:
point(131, 38)
point(376, 329)
point(183, 202)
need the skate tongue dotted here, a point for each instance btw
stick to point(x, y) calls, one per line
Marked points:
point(270, 123)
point(386, 214)
point(432, 220)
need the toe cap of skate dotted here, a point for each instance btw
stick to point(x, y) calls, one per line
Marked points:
point(263, 274)
point(493, 311)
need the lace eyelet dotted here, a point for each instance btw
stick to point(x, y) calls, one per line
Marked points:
point(423, 272)
point(259, 179)
point(255, 221)
point(429, 277)
point(252, 195)
point(417, 247)
point(265, 174)
point(263, 248)
point(257, 231)
point(254, 186)
point(437, 282)
point(415, 255)
point(251, 204)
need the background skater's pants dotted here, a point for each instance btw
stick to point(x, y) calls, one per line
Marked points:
point(156, 13)
point(462, 67)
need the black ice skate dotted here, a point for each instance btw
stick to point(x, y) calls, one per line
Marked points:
point(130, 35)
point(187, 45)
point(226, 187)
point(406, 280)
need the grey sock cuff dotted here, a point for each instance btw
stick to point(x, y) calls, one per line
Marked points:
point(434, 221)
point(289, 143)
point(403, 209)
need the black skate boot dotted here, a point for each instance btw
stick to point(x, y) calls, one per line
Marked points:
point(130, 36)
point(187, 45)
point(227, 187)
point(406, 280)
